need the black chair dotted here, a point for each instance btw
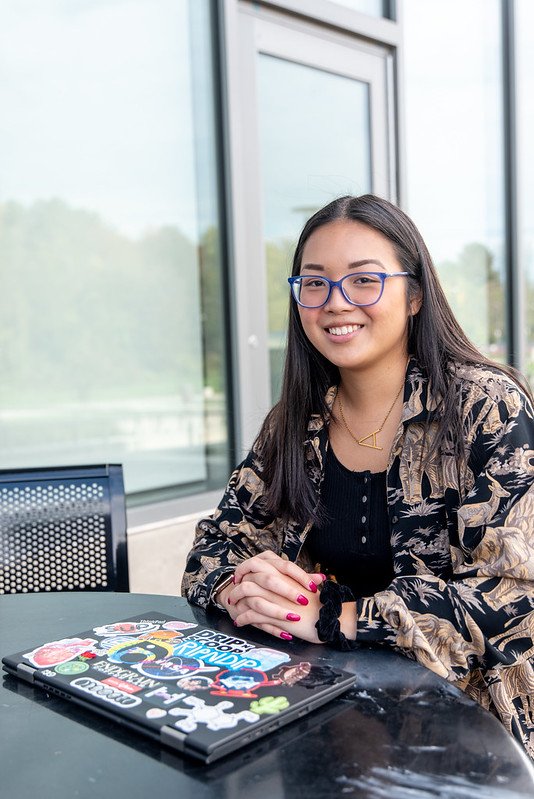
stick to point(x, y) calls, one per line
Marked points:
point(63, 529)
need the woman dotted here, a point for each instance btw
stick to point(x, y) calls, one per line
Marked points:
point(389, 496)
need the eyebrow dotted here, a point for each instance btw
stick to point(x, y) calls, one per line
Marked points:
point(353, 265)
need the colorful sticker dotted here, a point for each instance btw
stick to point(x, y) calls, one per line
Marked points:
point(122, 685)
point(163, 635)
point(130, 628)
point(72, 667)
point(214, 717)
point(179, 625)
point(127, 675)
point(240, 682)
point(173, 668)
point(138, 650)
point(195, 683)
point(269, 705)
point(217, 649)
point(56, 652)
point(268, 659)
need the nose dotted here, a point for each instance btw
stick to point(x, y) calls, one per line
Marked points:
point(337, 301)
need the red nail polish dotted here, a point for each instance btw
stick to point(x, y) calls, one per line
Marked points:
point(236, 624)
point(293, 617)
point(302, 600)
point(286, 636)
point(229, 601)
point(313, 587)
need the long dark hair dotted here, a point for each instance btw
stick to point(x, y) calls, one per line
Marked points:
point(434, 337)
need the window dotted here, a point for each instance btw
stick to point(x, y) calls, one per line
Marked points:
point(112, 343)
point(455, 156)
point(525, 110)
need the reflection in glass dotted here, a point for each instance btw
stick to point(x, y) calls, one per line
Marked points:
point(454, 156)
point(315, 146)
point(109, 250)
point(525, 119)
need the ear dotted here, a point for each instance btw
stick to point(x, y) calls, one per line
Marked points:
point(415, 303)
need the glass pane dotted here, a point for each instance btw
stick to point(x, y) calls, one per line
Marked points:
point(454, 155)
point(315, 146)
point(374, 8)
point(525, 114)
point(109, 249)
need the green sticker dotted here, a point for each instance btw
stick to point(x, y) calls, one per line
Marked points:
point(269, 705)
point(72, 667)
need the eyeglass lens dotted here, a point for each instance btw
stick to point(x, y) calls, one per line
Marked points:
point(361, 289)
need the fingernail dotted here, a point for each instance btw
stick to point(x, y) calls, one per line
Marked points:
point(286, 636)
point(293, 617)
point(313, 587)
point(302, 600)
point(229, 601)
point(233, 578)
point(324, 577)
point(236, 624)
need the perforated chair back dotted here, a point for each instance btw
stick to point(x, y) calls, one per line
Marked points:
point(63, 529)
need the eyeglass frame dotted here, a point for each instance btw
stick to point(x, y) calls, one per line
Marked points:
point(339, 283)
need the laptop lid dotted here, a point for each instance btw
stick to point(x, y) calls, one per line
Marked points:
point(202, 692)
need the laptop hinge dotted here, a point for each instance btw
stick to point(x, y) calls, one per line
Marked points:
point(26, 673)
point(173, 737)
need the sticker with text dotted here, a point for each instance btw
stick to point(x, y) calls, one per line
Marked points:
point(108, 693)
point(217, 649)
point(130, 628)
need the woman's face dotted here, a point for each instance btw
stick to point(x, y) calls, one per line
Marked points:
point(375, 335)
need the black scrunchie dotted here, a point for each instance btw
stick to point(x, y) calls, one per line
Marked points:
point(328, 628)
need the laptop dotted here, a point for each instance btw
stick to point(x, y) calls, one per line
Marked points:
point(199, 691)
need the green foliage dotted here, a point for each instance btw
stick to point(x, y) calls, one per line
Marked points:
point(88, 313)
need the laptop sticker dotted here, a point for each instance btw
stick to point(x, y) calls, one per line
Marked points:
point(214, 717)
point(56, 652)
point(241, 682)
point(130, 628)
point(269, 705)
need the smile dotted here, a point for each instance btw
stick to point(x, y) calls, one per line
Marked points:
point(342, 331)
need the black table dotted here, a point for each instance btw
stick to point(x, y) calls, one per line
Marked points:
point(400, 732)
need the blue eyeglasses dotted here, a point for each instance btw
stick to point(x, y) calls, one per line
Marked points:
point(359, 288)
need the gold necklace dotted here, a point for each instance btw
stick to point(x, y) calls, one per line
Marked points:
point(363, 441)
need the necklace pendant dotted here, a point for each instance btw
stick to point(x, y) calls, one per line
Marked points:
point(374, 445)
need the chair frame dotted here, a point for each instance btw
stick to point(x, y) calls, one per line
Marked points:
point(114, 476)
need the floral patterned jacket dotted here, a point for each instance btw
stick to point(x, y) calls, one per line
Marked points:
point(462, 600)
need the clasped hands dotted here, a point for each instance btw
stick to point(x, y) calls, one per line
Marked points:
point(275, 596)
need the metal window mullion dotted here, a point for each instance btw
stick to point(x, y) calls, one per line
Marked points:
point(514, 300)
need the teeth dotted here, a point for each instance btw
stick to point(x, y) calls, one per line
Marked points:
point(342, 331)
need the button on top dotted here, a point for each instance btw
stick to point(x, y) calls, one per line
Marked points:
point(364, 539)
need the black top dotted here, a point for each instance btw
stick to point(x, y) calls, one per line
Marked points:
point(354, 542)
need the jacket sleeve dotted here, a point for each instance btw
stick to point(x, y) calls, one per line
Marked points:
point(480, 623)
point(239, 529)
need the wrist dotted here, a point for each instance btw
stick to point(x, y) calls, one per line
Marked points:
point(348, 620)
point(333, 598)
point(222, 590)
